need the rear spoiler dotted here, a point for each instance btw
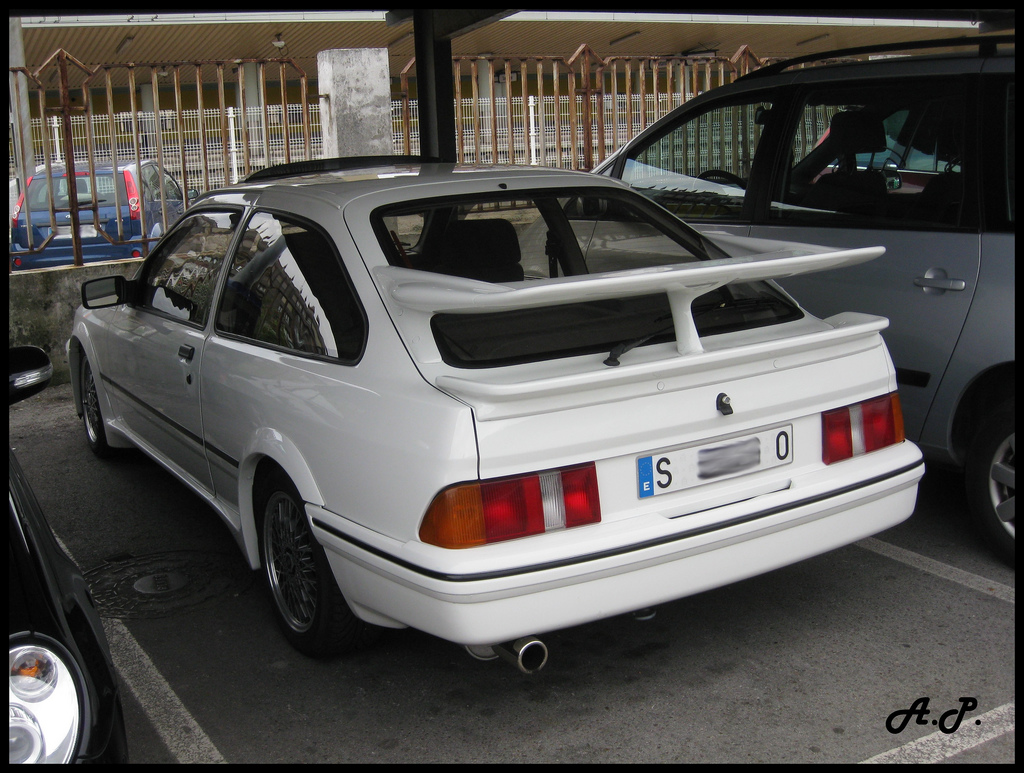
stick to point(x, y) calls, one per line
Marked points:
point(428, 293)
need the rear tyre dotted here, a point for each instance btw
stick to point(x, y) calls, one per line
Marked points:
point(991, 480)
point(92, 418)
point(310, 608)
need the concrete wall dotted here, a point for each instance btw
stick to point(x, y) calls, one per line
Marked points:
point(41, 307)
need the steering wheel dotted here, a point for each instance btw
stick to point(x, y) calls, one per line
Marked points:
point(722, 176)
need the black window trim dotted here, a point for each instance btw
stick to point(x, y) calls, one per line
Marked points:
point(312, 225)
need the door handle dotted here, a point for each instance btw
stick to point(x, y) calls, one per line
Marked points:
point(936, 281)
point(185, 352)
point(940, 284)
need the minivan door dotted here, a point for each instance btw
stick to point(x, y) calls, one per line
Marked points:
point(886, 164)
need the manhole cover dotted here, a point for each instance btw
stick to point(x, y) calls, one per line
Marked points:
point(159, 585)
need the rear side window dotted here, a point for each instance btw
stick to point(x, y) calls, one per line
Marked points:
point(286, 289)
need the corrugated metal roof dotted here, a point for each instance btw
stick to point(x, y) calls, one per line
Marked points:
point(96, 40)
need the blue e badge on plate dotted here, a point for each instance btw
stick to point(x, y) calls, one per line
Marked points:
point(645, 476)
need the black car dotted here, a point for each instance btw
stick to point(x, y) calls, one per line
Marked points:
point(65, 703)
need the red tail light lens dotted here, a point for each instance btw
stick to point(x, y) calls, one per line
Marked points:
point(858, 429)
point(134, 204)
point(17, 207)
point(471, 514)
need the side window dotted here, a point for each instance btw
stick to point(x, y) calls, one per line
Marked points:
point(180, 277)
point(699, 169)
point(172, 188)
point(150, 183)
point(286, 288)
point(861, 155)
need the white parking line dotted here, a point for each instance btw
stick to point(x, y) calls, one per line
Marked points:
point(939, 746)
point(177, 728)
point(939, 569)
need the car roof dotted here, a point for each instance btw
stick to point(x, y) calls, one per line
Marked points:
point(341, 186)
point(60, 170)
point(978, 49)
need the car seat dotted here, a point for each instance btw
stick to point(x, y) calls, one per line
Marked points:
point(847, 188)
point(487, 250)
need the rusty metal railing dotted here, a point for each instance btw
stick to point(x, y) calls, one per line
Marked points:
point(547, 111)
point(262, 135)
point(569, 113)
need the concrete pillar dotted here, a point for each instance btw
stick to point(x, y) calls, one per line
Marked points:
point(355, 102)
point(19, 103)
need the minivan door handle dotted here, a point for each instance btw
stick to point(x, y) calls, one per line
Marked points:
point(936, 281)
point(185, 352)
point(940, 284)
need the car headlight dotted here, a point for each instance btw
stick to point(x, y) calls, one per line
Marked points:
point(44, 712)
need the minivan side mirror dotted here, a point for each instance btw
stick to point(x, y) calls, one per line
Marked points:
point(105, 292)
point(30, 370)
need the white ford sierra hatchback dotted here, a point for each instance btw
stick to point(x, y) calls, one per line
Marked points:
point(490, 403)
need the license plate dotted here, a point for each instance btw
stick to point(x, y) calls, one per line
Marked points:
point(86, 231)
point(682, 468)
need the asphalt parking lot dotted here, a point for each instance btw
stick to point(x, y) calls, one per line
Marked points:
point(899, 648)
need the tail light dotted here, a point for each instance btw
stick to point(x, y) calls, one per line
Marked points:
point(858, 429)
point(471, 514)
point(17, 207)
point(133, 195)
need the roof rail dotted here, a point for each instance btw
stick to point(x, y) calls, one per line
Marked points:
point(334, 165)
point(986, 47)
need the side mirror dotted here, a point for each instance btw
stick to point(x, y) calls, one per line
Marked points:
point(30, 371)
point(104, 292)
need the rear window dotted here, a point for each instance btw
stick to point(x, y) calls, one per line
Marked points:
point(549, 235)
point(38, 192)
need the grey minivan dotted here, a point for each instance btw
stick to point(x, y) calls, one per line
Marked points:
point(913, 153)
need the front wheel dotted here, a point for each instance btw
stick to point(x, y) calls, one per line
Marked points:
point(92, 418)
point(310, 608)
point(991, 480)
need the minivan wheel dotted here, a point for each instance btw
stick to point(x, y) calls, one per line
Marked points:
point(92, 418)
point(991, 480)
point(309, 607)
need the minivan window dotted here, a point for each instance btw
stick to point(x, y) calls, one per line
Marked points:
point(864, 155)
point(699, 169)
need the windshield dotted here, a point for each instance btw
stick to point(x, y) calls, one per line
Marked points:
point(545, 235)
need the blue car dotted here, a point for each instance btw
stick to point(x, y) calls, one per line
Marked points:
point(135, 187)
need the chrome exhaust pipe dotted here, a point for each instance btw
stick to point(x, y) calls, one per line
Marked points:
point(528, 654)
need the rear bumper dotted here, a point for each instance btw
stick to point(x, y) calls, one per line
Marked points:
point(61, 254)
point(489, 607)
